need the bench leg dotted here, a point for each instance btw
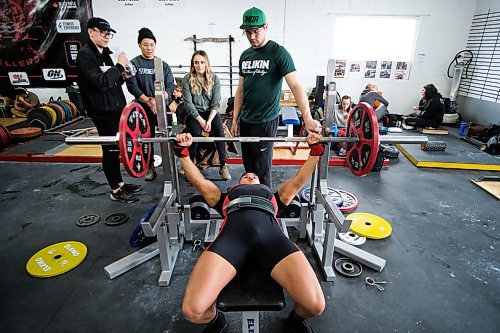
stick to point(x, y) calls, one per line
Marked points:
point(250, 322)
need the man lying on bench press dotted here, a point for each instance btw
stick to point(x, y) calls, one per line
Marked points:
point(250, 230)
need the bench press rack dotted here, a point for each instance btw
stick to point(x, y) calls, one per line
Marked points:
point(171, 222)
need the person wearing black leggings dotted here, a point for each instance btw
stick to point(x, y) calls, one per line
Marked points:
point(432, 111)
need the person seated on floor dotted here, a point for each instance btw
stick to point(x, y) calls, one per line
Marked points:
point(176, 95)
point(433, 110)
point(250, 232)
point(420, 107)
point(342, 111)
point(201, 97)
point(340, 115)
point(373, 96)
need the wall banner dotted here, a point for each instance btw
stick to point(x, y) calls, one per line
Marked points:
point(39, 41)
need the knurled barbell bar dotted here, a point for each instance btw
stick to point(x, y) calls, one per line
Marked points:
point(135, 142)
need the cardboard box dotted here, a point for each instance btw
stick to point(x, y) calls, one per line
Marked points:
point(287, 95)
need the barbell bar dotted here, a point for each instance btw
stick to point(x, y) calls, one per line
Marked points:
point(111, 140)
point(135, 141)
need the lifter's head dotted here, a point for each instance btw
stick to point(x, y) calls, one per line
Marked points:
point(249, 178)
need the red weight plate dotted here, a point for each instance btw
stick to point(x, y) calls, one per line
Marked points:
point(349, 201)
point(134, 124)
point(4, 137)
point(362, 124)
point(26, 133)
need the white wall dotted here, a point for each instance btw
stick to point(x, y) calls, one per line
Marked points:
point(304, 28)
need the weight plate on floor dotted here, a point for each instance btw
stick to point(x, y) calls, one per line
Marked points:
point(56, 259)
point(349, 201)
point(332, 193)
point(348, 267)
point(369, 225)
point(87, 220)
point(157, 160)
point(116, 219)
point(351, 238)
point(138, 237)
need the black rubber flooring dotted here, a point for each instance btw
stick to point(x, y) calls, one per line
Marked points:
point(442, 271)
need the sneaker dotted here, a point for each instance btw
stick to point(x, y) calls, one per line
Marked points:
point(296, 325)
point(150, 174)
point(181, 171)
point(407, 127)
point(224, 172)
point(123, 196)
point(131, 188)
point(217, 325)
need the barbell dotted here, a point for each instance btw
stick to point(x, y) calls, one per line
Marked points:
point(135, 142)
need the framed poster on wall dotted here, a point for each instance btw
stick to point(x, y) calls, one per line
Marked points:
point(40, 41)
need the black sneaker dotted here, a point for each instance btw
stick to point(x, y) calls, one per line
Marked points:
point(217, 325)
point(297, 325)
point(123, 196)
point(131, 188)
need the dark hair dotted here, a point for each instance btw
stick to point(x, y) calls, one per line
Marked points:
point(244, 173)
point(430, 90)
point(346, 97)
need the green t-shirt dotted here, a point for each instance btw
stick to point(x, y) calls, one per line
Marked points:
point(263, 70)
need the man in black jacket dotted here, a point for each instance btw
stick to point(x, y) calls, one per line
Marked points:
point(100, 84)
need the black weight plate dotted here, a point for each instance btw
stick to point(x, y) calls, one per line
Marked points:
point(116, 219)
point(348, 267)
point(87, 220)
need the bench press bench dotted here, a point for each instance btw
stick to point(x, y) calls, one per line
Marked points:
point(250, 292)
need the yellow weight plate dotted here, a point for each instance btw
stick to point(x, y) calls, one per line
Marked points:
point(56, 259)
point(19, 113)
point(52, 113)
point(369, 225)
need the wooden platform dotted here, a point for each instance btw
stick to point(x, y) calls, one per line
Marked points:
point(492, 187)
point(432, 130)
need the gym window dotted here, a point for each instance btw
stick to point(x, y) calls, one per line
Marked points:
point(374, 37)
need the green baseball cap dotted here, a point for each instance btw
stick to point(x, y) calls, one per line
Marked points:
point(253, 18)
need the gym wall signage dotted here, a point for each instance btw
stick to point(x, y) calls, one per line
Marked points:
point(39, 42)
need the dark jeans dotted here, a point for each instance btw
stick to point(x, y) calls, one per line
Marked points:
point(420, 122)
point(110, 153)
point(258, 157)
point(194, 127)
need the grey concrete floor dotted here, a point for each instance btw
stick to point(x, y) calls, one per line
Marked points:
point(442, 272)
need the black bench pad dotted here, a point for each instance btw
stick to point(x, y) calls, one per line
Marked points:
point(251, 290)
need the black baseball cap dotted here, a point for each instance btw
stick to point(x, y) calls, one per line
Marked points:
point(99, 23)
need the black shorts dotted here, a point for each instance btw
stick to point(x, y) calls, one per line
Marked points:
point(250, 234)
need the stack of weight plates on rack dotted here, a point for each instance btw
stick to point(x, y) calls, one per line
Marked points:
point(52, 114)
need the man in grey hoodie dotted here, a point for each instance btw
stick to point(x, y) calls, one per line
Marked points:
point(371, 95)
point(141, 85)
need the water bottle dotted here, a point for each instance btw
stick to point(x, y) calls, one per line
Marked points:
point(335, 133)
point(463, 128)
point(335, 130)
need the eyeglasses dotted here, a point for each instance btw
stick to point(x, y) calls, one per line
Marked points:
point(105, 34)
point(249, 32)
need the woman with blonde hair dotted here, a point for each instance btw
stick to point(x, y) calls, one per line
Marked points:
point(201, 96)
